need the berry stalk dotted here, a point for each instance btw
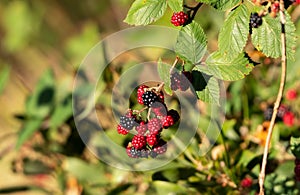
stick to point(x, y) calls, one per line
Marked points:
point(278, 99)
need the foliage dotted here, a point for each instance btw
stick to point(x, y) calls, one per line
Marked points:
point(49, 151)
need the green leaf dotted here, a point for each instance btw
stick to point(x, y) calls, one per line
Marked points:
point(234, 33)
point(164, 74)
point(163, 187)
point(84, 172)
point(191, 43)
point(143, 12)
point(40, 103)
point(28, 129)
point(175, 5)
point(207, 1)
point(209, 93)
point(61, 112)
point(226, 69)
point(266, 38)
point(4, 76)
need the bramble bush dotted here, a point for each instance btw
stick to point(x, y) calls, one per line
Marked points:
point(258, 150)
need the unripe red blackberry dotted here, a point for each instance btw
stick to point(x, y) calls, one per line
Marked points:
point(170, 119)
point(141, 128)
point(122, 130)
point(288, 118)
point(246, 182)
point(179, 18)
point(154, 126)
point(159, 109)
point(138, 141)
point(255, 20)
point(140, 92)
point(152, 139)
point(291, 94)
point(149, 97)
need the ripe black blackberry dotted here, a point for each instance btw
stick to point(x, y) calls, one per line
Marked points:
point(149, 97)
point(255, 20)
point(128, 122)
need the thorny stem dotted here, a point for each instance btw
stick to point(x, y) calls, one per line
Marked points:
point(278, 100)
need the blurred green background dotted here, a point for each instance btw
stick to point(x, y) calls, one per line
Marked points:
point(42, 43)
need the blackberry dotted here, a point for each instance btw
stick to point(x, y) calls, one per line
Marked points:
point(288, 119)
point(154, 126)
point(132, 152)
point(149, 97)
point(246, 182)
point(170, 119)
point(161, 147)
point(268, 113)
point(159, 109)
point(138, 141)
point(144, 153)
point(152, 139)
point(153, 154)
point(140, 92)
point(255, 20)
point(179, 81)
point(127, 121)
point(179, 18)
point(142, 128)
point(122, 130)
point(161, 97)
point(297, 169)
point(291, 94)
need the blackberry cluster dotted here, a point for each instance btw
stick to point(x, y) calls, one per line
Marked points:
point(179, 18)
point(284, 114)
point(255, 20)
point(147, 141)
point(181, 80)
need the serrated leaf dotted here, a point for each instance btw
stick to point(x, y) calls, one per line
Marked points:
point(164, 73)
point(226, 69)
point(143, 12)
point(266, 38)
point(175, 5)
point(191, 43)
point(209, 93)
point(234, 33)
point(224, 4)
point(28, 129)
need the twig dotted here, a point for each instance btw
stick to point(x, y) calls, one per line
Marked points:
point(278, 100)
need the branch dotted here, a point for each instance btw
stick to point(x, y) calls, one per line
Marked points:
point(278, 99)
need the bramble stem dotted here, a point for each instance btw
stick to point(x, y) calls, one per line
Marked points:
point(278, 99)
